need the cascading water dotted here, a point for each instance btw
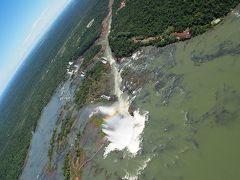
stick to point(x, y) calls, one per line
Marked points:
point(122, 130)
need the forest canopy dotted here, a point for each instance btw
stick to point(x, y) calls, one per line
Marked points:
point(44, 69)
point(141, 19)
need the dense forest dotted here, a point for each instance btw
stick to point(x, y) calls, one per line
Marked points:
point(39, 76)
point(91, 84)
point(90, 53)
point(155, 20)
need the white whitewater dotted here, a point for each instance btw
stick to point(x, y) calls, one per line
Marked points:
point(122, 130)
point(138, 171)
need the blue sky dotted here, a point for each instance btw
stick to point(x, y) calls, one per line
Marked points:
point(22, 24)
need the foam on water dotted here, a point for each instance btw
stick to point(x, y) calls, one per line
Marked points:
point(139, 170)
point(122, 130)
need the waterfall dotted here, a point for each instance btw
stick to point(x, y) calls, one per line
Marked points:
point(122, 130)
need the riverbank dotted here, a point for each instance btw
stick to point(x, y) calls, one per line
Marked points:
point(191, 104)
point(194, 112)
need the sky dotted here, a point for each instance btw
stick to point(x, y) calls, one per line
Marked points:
point(22, 24)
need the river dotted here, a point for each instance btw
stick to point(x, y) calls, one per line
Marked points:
point(191, 92)
point(38, 153)
point(185, 123)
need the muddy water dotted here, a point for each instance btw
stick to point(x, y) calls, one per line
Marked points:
point(192, 93)
point(38, 153)
point(194, 106)
point(122, 130)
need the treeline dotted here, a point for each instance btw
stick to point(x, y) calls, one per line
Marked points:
point(66, 167)
point(150, 18)
point(37, 80)
point(87, 91)
point(90, 53)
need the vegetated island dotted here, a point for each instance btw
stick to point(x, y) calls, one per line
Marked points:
point(39, 76)
point(135, 24)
